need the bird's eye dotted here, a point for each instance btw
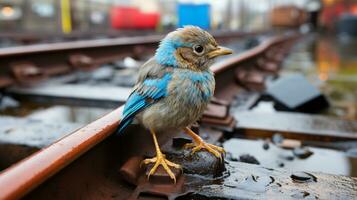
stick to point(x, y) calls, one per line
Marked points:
point(198, 49)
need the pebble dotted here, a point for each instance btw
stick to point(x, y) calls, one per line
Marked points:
point(301, 177)
point(246, 158)
point(302, 153)
point(266, 145)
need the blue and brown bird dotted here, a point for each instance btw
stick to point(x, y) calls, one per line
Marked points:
point(173, 89)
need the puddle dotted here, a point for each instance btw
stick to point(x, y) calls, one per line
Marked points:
point(256, 183)
point(52, 114)
point(65, 114)
point(322, 160)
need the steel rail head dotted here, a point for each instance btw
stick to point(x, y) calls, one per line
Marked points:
point(21, 178)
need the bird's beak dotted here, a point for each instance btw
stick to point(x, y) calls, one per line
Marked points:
point(220, 51)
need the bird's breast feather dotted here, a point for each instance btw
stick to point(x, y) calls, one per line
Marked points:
point(192, 87)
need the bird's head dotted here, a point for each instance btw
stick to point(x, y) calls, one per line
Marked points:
point(189, 47)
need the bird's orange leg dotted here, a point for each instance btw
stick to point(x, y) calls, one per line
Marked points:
point(200, 144)
point(160, 160)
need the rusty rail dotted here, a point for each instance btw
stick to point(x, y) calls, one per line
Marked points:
point(23, 177)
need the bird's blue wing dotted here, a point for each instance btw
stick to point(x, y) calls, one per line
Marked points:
point(144, 95)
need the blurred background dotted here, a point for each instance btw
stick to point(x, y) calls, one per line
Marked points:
point(96, 17)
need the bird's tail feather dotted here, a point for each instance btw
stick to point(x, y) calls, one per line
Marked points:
point(135, 105)
point(125, 122)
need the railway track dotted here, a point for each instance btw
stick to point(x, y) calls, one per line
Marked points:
point(32, 63)
point(91, 163)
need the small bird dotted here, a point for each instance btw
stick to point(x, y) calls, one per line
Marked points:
point(173, 89)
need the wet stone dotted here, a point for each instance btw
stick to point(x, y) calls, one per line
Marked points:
point(246, 158)
point(302, 153)
point(266, 145)
point(199, 163)
point(287, 157)
point(281, 164)
point(103, 73)
point(302, 177)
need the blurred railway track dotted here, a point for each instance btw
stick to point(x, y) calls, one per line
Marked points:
point(29, 64)
point(90, 163)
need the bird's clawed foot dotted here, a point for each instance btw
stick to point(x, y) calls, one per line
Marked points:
point(200, 144)
point(215, 150)
point(166, 164)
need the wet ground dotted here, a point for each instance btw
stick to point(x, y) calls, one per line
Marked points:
point(54, 114)
point(270, 155)
point(329, 63)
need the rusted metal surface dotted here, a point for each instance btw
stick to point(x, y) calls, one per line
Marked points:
point(98, 157)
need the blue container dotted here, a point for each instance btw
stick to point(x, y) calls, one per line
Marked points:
point(194, 14)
